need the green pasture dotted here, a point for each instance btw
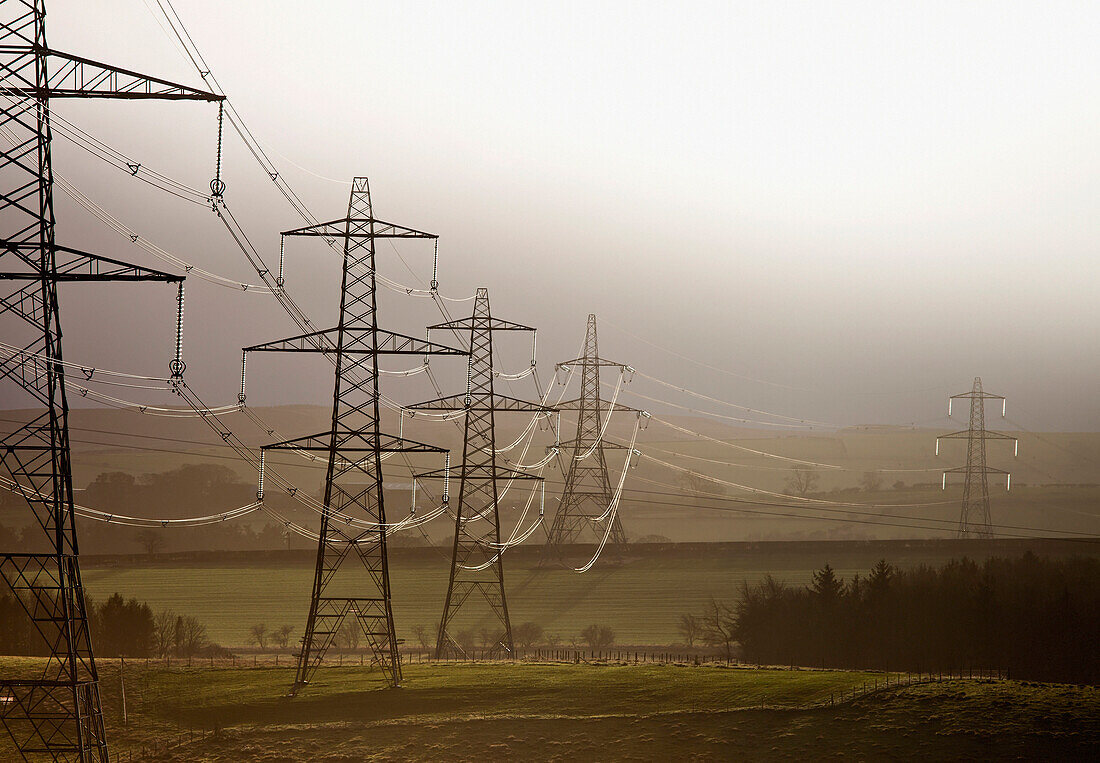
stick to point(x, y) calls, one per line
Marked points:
point(539, 711)
point(641, 598)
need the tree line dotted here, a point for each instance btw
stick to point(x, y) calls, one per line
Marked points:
point(1035, 618)
point(189, 490)
point(119, 628)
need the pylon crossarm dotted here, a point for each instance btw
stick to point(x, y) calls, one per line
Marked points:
point(359, 227)
point(78, 77)
point(355, 442)
point(79, 266)
point(357, 341)
point(585, 443)
point(976, 396)
point(471, 324)
point(576, 405)
point(592, 362)
point(480, 404)
point(963, 470)
point(501, 473)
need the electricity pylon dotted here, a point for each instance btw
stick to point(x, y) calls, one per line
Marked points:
point(353, 518)
point(974, 519)
point(588, 491)
point(58, 715)
point(476, 560)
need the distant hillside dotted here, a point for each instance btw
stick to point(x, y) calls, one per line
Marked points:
point(1055, 479)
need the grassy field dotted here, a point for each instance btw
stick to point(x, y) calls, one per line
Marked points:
point(568, 712)
point(231, 596)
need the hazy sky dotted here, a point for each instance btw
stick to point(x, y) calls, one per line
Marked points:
point(864, 204)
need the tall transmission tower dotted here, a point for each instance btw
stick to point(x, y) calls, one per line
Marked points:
point(57, 715)
point(352, 575)
point(587, 492)
point(476, 561)
point(974, 520)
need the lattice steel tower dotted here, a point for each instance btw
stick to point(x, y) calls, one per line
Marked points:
point(58, 715)
point(476, 560)
point(588, 491)
point(352, 573)
point(974, 520)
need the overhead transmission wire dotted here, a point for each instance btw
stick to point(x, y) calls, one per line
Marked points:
point(701, 363)
point(754, 379)
point(248, 249)
point(121, 228)
point(952, 524)
point(516, 536)
point(121, 161)
point(786, 469)
point(747, 409)
point(675, 504)
point(123, 519)
point(761, 491)
point(257, 151)
point(724, 417)
point(612, 511)
point(187, 44)
point(39, 360)
point(483, 513)
point(700, 435)
point(607, 420)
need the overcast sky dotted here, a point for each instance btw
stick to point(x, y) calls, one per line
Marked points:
point(853, 207)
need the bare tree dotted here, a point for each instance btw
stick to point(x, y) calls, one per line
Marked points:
point(719, 627)
point(422, 636)
point(164, 632)
point(802, 481)
point(598, 636)
point(691, 628)
point(257, 635)
point(871, 482)
point(151, 540)
point(349, 634)
point(527, 634)
point(281, 635)
point(190, 636)
point(465, 639)
point(700, 486)
point(488, 637)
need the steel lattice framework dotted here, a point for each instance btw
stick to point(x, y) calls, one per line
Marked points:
point(57, 715)
point(352, 574)
point(476, 561)
point(588, 491)
point(975, 519)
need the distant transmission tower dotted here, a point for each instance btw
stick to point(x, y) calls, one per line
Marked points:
point(588, 491)
point(476, 561)
point(57, 716)
point(352, 576)
point(975, 520)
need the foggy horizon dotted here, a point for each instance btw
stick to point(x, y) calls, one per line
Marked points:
point(854, 211)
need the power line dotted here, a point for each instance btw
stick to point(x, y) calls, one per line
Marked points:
point(852, 507)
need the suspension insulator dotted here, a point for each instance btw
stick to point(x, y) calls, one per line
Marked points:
point(176, 366)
